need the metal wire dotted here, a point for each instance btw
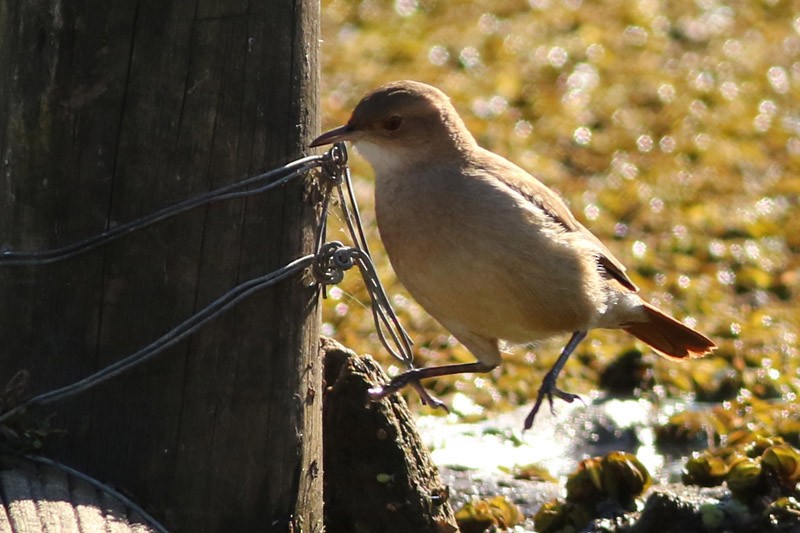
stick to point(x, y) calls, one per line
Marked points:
point(127, 502)
point(383, 314)
point(180, 332)
point(329, 262)
point(227, 192)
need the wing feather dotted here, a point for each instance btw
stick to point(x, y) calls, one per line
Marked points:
point(550, 203)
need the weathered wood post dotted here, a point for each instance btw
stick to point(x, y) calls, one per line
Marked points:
point(108, 111)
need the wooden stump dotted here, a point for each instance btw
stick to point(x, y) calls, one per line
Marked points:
point(38, 497)
point(378, 475)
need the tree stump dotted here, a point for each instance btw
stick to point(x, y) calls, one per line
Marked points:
point(378, 475)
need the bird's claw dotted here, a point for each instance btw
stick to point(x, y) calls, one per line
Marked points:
point(398, 382)
point(428, 399)
point(407, 378)
point(548, 390)
point(566, 396)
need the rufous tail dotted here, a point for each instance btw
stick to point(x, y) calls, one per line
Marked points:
point(669, 337)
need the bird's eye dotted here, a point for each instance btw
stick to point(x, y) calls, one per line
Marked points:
point(392, 123)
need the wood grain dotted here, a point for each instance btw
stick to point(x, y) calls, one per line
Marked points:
point(108, 111)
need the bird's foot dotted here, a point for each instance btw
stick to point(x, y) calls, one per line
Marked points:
point(427, 399)
point(407, 378)
point(548, 390)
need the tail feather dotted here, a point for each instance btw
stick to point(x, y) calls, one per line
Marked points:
point(669, 337)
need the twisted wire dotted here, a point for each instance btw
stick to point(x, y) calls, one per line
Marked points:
point(227, 192)
point(178, 333)
point(386, 321)
point(127, 502)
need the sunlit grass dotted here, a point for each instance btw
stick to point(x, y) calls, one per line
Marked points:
point(672, 130)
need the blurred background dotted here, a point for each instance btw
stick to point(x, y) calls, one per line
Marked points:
point(672, 130)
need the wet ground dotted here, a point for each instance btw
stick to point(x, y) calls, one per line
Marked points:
point(477, 460)
point(557, 441)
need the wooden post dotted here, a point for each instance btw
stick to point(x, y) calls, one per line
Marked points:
point(108, 111)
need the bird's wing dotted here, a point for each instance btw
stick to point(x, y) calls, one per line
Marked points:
point(551, 204)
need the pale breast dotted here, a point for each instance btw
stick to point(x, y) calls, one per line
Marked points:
point(471, 252)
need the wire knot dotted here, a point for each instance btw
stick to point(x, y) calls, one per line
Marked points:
point(331, 262)
point(334, 163)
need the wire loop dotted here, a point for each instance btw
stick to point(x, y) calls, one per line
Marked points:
point(334, 163)
point(330, 263)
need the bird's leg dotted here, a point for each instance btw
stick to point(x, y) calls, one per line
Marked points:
point(413, 377)
point(548, 387)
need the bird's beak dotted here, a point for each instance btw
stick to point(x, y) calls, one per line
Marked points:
point(342, 133)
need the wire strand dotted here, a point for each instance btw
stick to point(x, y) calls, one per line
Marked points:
point(383, 314)
point(228, 192)
point(127, 502)
point(183, 330)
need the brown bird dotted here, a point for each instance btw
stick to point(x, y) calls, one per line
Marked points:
point(487, 249)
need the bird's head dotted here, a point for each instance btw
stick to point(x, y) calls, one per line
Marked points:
point(402, 122)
